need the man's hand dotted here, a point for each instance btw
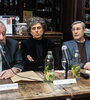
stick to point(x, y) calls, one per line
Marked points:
point(30, 58)
point(8, 73)
point(87, 66)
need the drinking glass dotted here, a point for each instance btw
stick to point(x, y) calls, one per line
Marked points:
point(63, 62)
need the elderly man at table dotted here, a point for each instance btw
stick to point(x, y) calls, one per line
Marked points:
point(34, 49)
point(12, 55)
point(78, 43)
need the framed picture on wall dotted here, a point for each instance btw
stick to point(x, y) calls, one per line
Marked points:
point(27, 15)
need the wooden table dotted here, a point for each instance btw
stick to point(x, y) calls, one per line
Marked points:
point(80, 90)
point(34, 90)
point(47, 91)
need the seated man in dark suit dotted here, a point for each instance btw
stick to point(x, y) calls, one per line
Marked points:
point(78, 43)
point(11, 53)
point(34, 49)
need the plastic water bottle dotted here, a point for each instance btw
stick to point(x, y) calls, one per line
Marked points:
point(49, 67)
point(77, 58)
point(76, 64)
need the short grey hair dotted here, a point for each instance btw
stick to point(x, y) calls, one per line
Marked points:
point(34, 20)
point(2, 25)
point(79, 22)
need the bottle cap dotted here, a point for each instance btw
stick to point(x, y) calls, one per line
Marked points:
point(76, 50)
point(50, 52)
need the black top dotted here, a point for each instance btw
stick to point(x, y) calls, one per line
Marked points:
point(37, 49)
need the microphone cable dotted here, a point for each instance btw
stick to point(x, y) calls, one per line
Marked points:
point(2, 52)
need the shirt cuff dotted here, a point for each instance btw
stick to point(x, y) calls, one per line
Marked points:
point(18, 69)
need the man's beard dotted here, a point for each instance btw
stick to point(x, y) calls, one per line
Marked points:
point(2, 42)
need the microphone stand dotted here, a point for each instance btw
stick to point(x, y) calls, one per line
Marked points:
point(64, 49)
point(66, 70)
point(66, 67)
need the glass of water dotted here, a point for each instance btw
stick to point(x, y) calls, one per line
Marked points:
point(63, 62)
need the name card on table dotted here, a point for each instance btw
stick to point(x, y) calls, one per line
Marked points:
point(60, 71)
point(88, 71)
point(64, 81)
point(8, 86)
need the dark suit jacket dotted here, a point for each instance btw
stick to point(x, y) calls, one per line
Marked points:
point(28, 47)
point(12, 55)
point(72, 46)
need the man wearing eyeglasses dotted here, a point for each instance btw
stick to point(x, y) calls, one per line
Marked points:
point(78, 43)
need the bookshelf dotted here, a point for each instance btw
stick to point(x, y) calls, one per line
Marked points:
point(10, 7)
point(48, 9)
point(87, 13)
point(16, 7)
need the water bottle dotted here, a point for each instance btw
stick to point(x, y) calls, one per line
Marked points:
point(49, 67)
point(76, 64)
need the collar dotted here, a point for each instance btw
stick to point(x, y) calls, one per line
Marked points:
point(80, 42)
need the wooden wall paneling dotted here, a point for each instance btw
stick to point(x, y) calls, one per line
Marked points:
point(67, 18)
point(80, 10)
point(72, 10)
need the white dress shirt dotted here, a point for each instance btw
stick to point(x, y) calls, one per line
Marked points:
point(0, 62)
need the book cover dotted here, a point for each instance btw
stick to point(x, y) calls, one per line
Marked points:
point(27, 15)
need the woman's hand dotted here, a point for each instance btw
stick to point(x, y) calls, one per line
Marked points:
point(30, 58)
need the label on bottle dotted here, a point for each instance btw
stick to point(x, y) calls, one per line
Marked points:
point(48, 74)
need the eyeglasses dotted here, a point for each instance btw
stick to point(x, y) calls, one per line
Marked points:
point(78, 29)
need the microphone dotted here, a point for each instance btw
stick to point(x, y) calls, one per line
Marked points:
point(64, 49)
point(86, 76)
